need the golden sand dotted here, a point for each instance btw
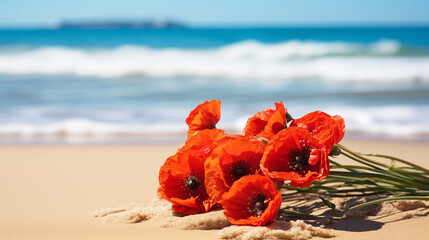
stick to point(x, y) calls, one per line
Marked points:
point(206, 221)
point(159, 209)
point(397, 209)
point(294, 230)
point(135, 213)
point(49, 192)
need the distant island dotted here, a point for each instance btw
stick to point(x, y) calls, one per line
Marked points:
point(146, 24)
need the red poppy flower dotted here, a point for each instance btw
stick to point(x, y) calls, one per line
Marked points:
point(181, 180)
point(295, 155)
point(185, 169)
point(204, 116)
point(202, 140)
point(233, 157)
point(329, 129)
point(252, 200)
point(257, 123)
point(266, 123)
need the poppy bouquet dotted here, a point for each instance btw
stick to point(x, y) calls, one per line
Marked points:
point(276, 156)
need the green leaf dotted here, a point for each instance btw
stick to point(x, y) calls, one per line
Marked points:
point(328, 203)
point(290, 212)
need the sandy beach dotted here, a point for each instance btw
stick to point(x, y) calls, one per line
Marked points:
point(94, 98)
point(50, 191)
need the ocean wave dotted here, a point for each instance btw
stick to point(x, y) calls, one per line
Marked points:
point(306, 49)
point(292, 60)
point(86, 127)
point(386, 121)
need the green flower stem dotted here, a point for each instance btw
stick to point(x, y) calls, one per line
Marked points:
point(334, 162)
point(360, 156)
point(291, 212)
point(388, 179)
point(351, 195)
point(360, 161)
point(378, 177)
point(347, 180)
point(386, 172)
point(421, 193)
point(410, 170)
point(414, 174)
point(376, 189)
point(370, 177)
point(398, 160)
point(338, 164)
point(419, 177)
point(368, 190)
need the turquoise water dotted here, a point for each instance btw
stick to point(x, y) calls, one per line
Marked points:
point(209, 38)
point(139, 85)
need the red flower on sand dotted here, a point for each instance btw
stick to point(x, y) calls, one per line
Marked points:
point(233, 157)
point(295, 155)
point(252, 200)
point(329, 129)
point(181, 180)
point(204, 116)
point(202, 140)
point(266, 123)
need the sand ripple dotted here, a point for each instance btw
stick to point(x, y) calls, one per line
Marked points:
point(205, 221)
point(135, 213)
point(161, 211)
point(294, 230)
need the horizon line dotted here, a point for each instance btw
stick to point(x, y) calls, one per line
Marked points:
point(237, 25)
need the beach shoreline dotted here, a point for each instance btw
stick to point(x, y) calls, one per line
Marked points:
point(167, 139)
point(50, 190)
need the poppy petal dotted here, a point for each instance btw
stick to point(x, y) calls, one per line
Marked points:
point(181, 180)
point(204, 116)
point(252, 200)
point(326, 128)
point(233, 157)
point(294, 154)
point(266, 123)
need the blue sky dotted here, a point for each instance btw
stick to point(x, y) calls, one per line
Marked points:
point(221, 12)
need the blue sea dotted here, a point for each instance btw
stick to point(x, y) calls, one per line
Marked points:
point(139, 85)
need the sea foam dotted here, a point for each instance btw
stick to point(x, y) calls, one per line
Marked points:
point(394, 121)
point(291, 60)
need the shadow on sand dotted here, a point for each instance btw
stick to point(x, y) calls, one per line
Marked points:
point(355, 225)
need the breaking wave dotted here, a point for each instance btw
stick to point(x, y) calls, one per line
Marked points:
point(333, 61)
point(384, 121)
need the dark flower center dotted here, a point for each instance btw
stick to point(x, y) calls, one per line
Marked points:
point(191, 184)
point(258, 204)
point(298, 158)
point(240, 172)
point(239, 169)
